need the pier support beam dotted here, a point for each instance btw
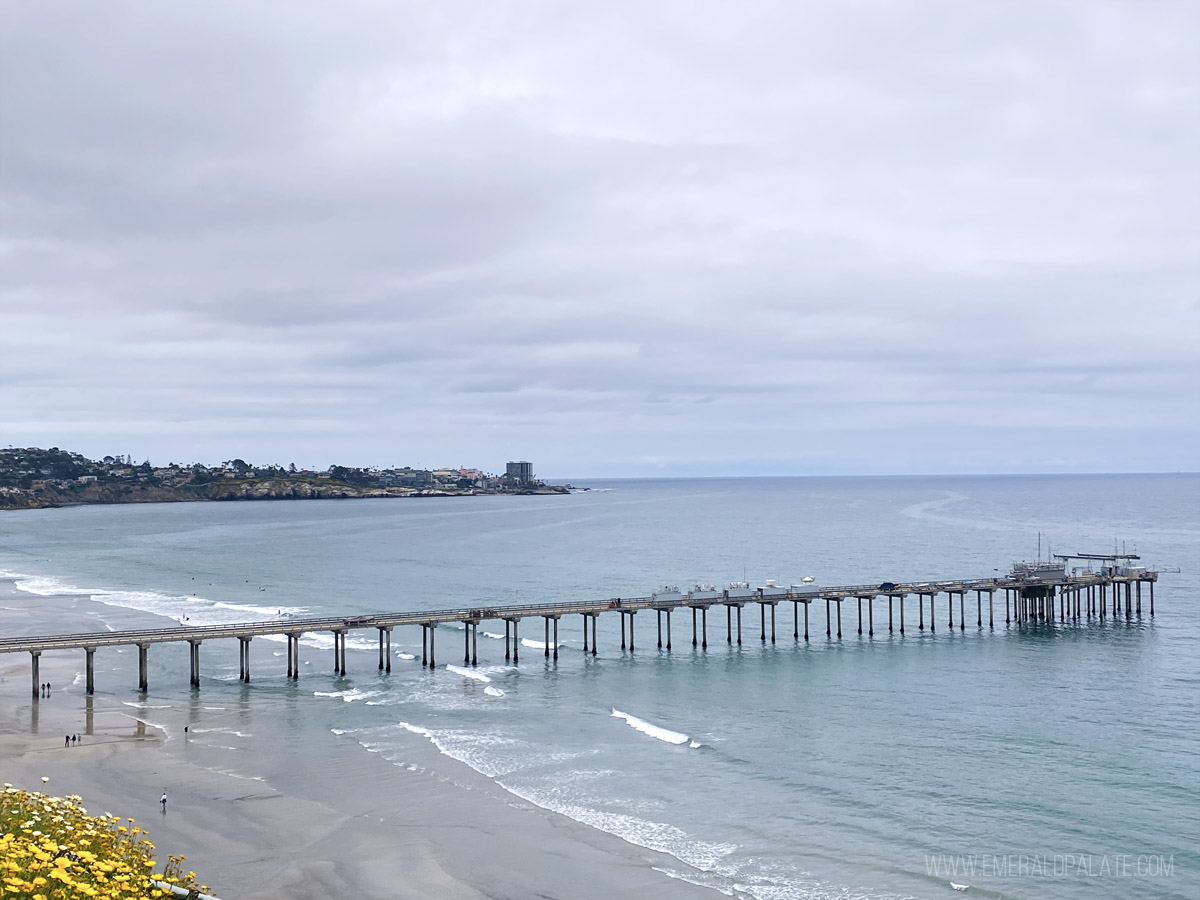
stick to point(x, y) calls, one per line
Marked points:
point(143, 678)
point(385, 648)
point(932, 598)
point(508, 625)
point(622, 617)
point(962, 615)
point(432, 661)
point(424, 646)
point(547, 641)
point(859, 600)
point(870, 617)
point(245, 658)
point(34, 665)
point(728, 624)
point(585, 633)
point(631, 612)
point(950, 609)
point(890, 599)
point(90, 670)
point(659, 619)
point(828, 619)
point(194, 662)
point(668, 631)
point(517, 642)
point(839, 606)
point(739, 626)
point(704, 628)
point(795, 620)
point(695, 632)
point(595, 640)
point(991, 609)
point(901, 599)
point(921, 612)
point(1152, 598)
point(762, 617)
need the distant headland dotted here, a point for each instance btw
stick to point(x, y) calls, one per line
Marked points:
point(33, 478)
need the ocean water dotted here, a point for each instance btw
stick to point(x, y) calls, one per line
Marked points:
point(1052, 760)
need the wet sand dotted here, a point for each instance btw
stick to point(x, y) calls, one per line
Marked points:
point(246, 839)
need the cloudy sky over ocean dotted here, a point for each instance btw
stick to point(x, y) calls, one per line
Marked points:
point(646, 238)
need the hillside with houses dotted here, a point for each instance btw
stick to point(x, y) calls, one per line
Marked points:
point(33, 478)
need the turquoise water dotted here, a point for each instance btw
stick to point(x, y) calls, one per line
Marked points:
point(1060, 760)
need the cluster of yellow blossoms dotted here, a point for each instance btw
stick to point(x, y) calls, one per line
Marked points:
point(51, 849)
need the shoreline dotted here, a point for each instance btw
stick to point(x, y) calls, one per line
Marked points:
point(455, 835)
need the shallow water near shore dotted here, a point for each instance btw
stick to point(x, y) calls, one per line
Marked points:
point(865, 767)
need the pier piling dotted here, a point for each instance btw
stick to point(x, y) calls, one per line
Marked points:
point(89, 655)
point(143, 680)
point(34, 668)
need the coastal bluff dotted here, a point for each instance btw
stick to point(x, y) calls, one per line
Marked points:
point(38, 479)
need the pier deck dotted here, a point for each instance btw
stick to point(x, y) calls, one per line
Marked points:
point(1042, 599)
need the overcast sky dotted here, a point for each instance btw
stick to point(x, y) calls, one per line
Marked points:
point(613, 239)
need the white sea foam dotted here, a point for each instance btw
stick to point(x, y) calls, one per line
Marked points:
point(493, 635)
point(137, 705)
point(187, 609)
point(349, 696)
point(468, 673)
point(401, 655)
point(492, 755)
point(708, 856)
point(654, 731)
point(493, 691)
point(232, 731)
point(537, 645)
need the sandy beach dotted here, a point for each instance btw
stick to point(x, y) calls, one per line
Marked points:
point(246, 838)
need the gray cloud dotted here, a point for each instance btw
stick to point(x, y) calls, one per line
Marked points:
point(689, 238)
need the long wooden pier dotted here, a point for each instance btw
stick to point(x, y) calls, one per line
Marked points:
point(1089, 595)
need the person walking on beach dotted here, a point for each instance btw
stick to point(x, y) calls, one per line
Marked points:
point(163, 801)
point(66, 740)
